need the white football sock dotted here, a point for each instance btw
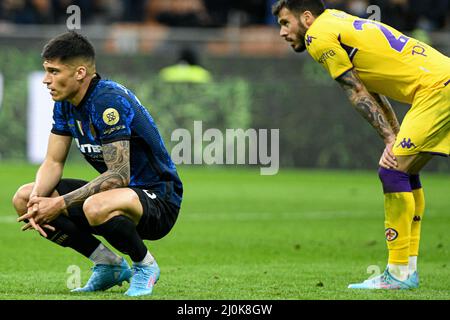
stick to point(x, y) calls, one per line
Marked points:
point(412, 264)
point(103, 255)
point(399, 271)
point(148, 260)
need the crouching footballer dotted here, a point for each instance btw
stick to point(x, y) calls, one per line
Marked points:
point(137, 194)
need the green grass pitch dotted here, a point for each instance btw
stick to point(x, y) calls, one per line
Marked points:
point(296, 235)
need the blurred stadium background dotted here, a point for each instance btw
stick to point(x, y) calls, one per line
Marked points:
point(257, 82)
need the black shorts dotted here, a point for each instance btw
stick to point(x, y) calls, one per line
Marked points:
point(158, 218)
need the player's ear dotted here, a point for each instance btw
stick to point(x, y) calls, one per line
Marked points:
point(81, 73)
point(307, 18)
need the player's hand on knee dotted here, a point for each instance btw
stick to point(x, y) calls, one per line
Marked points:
point(388, 159)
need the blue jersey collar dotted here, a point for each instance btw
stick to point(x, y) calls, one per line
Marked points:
point(92, 85)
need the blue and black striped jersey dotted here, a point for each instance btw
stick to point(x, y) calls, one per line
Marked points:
point(110, 112)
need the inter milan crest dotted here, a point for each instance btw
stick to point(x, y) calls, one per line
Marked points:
point(111, 116)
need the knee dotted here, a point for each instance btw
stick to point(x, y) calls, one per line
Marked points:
point(394, 181)
point(21, 197)
point(95, 210)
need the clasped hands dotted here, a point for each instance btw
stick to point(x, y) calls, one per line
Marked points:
point(41, 211)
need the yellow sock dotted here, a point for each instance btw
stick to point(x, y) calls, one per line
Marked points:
point(399, 210)
point(419, 200)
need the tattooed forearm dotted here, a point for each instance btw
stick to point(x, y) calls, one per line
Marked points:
point(117, 159)
point(388, 111)
point(365, 107)
point(365, 104)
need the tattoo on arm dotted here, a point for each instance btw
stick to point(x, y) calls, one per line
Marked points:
point(365, 104)
point(388, 111)
point(117, 159)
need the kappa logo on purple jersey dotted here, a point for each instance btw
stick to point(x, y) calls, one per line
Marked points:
point(309, 39)
point(406, 144)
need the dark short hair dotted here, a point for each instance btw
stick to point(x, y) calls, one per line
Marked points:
point(68, 46)
point(315, 6)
